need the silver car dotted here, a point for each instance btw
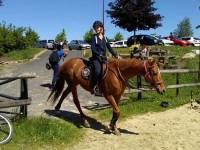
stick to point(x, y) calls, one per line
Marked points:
point(78, 45)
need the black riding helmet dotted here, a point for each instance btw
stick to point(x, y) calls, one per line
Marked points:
point(97, 24)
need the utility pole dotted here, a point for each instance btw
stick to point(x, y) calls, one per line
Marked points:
point(103, 10)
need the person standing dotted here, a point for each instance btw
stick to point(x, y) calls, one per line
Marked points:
point(55, 59)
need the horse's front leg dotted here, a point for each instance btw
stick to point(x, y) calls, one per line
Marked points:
point(116, 113)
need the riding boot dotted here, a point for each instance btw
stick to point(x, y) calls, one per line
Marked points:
point(93, 85)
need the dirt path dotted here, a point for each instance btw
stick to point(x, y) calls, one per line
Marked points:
point(177, 129)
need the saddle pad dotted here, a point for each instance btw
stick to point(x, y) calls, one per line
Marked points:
point(85, 73)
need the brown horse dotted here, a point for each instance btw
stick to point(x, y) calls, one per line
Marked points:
point(112, 86)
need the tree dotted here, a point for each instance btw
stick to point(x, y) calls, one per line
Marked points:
point(16, 38)
point(184, 28)
point(118, 36)
point(31, 37)
point(88, 36)
point(1, 3)
point(61, 37)
point(134, 15)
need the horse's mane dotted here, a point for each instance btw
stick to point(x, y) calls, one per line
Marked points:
point(123, 62)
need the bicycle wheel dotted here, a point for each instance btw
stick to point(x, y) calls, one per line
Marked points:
point(5, 130)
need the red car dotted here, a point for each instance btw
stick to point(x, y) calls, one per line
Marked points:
point(177, 41)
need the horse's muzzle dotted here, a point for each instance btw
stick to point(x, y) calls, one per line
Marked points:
point(160, 89)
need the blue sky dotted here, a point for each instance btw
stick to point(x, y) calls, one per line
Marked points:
point(48, 17)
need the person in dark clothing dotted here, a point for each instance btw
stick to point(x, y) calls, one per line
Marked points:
point(56, 65)
point(99, 45)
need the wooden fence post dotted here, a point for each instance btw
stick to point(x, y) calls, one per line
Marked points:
point(177, 82)
point(24, 95)
point(139, 85)
point(199, 67)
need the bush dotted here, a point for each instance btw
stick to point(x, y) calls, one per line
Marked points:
point(16, 38)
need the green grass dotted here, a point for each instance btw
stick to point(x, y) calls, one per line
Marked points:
point(42, 133)
point(25, 54)
point(177, 51)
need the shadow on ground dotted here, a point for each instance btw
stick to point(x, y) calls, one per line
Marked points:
point(46, 85)
point(75, 119)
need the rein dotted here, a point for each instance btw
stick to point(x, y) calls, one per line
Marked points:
point(146, 76)
point(124, 80)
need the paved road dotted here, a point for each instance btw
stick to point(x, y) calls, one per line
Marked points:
point(40, 93)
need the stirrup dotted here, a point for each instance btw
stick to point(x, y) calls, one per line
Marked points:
point(97, 91)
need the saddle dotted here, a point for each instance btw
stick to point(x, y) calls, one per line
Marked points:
point(87, 72)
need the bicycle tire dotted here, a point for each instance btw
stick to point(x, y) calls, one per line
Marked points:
point(5, 125)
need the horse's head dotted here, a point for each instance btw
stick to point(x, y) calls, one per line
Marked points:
point(153, 76)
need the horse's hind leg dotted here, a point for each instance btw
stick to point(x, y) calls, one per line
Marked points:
point(77, 103)
point(64, 95)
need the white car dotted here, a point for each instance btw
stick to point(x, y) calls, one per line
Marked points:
point(192, 40)
point(121, 44)
point(50, 44)
point(167, 42)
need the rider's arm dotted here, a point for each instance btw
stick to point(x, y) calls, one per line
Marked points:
point(93, 46)
point(110, 49)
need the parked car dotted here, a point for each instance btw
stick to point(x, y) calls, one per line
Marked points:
point(45, 44)
point(192, 40)
point(144, 39)
point(177, 41)
point(50, 44)
point(78, 45)
point(166, 42)
point(41, 44)
point(120, 44)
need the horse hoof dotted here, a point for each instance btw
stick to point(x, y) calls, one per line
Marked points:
point(57, 108)
point(86, 124)
point(116, 132)
point(107, 129)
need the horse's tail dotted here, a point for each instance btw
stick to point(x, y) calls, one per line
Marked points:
point(57, 89)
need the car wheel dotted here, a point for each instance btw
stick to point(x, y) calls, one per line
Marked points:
point(70, 48)
point(80, 48)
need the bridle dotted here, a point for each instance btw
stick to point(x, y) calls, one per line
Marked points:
point(149, 75)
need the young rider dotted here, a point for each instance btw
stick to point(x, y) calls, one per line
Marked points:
point(98, 46)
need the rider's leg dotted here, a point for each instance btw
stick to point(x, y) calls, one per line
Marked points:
point(96, 74)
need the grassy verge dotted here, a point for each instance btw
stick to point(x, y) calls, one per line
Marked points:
point(25, 54)
point(42, 133)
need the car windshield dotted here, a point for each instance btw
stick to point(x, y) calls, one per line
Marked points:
point(43, 41)
point(50, 41)
point(151, 37)
point(185, 38)
point(197, 38)
point(82, 42)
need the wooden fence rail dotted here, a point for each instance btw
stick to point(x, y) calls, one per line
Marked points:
point(139, 88)
point(22, 101)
